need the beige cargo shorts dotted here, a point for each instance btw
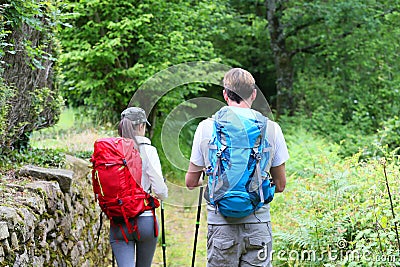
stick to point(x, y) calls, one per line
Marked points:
point(248, 244)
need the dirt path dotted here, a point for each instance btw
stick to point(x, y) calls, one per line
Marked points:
point(180, 230)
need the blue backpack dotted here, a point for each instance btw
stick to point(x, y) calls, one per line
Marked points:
point(239, 182)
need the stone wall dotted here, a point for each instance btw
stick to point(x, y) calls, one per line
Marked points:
point(48, 217)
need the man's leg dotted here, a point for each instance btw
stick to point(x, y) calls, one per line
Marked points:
point(258, 245)
point(223, 245)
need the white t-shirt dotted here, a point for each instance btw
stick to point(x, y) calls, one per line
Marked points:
point(199, 157)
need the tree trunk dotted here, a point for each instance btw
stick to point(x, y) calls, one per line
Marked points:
point(282, 57)
point(33, 105)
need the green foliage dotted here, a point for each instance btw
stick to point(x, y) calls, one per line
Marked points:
point(113, 48)
point(349, 140)
point(6, 93)
point(335, 206)
point(343, 56)
point(348, 79)
point(49, 158)
point(329, 125)
point(174, 173)
point(389, 135)
point(27, 58)
point(41, 111)
point(241, 37)
point(40, 15)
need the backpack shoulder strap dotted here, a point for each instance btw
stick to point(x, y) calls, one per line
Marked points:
point(144, 144)
point(271, 141)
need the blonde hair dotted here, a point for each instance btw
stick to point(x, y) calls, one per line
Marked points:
point(239, 84)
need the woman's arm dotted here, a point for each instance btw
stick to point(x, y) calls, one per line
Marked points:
point(154, 173)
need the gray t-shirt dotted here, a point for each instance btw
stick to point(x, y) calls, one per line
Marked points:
point(199, 157)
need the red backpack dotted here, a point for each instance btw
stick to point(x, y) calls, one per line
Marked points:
point(116, 177)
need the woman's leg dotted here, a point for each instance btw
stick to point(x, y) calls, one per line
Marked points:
point(146, 245)
point(124, 252)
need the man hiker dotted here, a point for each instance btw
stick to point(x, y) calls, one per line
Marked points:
point(237, 241)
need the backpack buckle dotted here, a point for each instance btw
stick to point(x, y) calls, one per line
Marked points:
point(219, 153)
point(257, 156)
point(209, 171)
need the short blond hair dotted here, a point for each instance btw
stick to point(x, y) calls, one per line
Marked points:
point(239, 84)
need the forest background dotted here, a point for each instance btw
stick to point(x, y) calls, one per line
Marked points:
point(329, 70)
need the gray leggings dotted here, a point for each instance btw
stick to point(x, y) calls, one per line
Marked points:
point(145, 246)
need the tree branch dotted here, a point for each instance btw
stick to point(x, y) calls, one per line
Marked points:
point(303, 26)
point(309, 48)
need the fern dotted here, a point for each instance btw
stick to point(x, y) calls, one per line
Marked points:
point(337, 204)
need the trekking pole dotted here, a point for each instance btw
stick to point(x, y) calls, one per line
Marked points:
point(98, 237)
point(197, 225)
point(163, 244)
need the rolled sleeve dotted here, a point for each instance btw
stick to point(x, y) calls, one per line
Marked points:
point(202, 136)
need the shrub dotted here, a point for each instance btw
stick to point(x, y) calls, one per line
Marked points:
point(338, 209)
point(49, 158)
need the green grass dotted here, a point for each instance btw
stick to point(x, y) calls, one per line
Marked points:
point(74, 133)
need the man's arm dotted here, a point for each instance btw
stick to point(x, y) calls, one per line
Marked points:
point(193, 176)
point(278, 174)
